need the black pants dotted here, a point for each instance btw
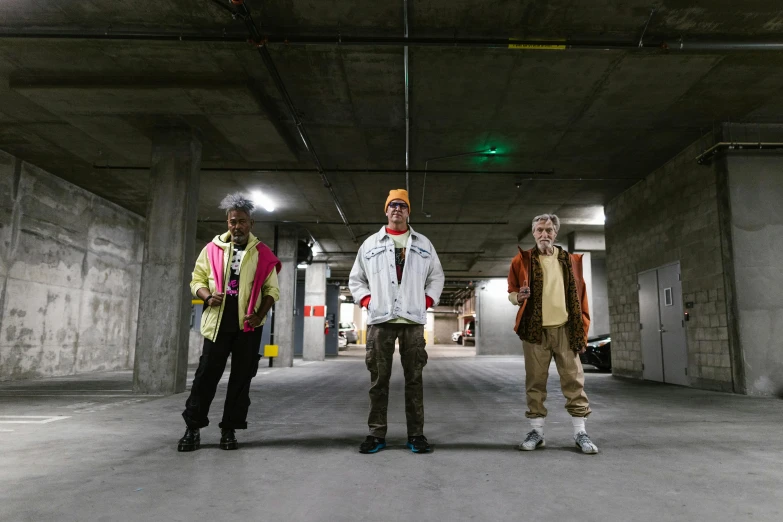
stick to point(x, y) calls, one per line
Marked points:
point(243, 348)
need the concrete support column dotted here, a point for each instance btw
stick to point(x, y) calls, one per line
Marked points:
point(587, 275)
point(161, 356)
point(315, 302)
point(287, 238)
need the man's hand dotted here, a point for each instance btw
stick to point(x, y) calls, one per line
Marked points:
point(254, 320)
point(215, 299)
point(583, 350)
point(524, 293)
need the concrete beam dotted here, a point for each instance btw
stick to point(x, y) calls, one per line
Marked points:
point(586, 241)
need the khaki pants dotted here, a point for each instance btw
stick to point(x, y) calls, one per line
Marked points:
point(380, 354)
point(572, 377)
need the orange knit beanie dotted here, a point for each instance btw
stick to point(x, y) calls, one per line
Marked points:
point(397, 194)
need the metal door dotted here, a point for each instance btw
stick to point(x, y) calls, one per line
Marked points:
point(652, 355)
point(673, 342)
point(664, 346)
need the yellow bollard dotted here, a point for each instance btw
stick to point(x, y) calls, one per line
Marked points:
point(270, 351)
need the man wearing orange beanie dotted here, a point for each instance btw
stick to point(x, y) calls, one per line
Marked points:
point(397, 275)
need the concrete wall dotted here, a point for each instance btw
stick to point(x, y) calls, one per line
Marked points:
point(495, 317)
point(70, 268)
point(445, 325)
point(599, 313)
point(756, 194)
point(672, 215)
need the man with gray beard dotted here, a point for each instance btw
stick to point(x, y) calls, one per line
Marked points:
point(546, 284)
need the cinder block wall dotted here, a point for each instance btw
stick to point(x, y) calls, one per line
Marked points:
point(70, 265)
point(672, 215)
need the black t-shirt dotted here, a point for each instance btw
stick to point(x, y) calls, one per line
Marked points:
point(230, 320)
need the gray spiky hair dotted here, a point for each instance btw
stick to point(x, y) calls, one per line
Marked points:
point(237, 201)
point(547, 217)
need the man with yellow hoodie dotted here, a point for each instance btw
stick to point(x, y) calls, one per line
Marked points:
point(236, 276)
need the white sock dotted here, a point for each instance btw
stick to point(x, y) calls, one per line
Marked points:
point(579, 425)
point(537, 424)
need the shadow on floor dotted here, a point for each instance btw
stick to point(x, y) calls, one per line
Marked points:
point(352, 444)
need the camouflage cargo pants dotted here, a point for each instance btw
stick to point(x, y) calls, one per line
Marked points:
point(379, 358)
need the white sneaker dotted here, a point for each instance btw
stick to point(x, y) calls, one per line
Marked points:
point(532, 441)
point(584, 443)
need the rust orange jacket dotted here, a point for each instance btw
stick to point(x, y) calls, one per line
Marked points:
point(520, 272)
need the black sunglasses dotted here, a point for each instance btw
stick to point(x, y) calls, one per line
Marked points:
point(401, 206)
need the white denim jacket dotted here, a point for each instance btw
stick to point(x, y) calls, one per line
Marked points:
point(374, 273)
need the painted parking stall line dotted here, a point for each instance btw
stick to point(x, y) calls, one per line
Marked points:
point(72, 395)
point(31, 419)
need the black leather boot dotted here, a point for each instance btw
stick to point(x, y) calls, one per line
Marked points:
point(228, 440)
point(191, 441)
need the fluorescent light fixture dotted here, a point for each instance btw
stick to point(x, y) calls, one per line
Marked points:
point(263, 201)
point(343, 298)
point(301, 265)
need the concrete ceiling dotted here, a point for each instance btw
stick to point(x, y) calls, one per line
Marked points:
point(597, 120)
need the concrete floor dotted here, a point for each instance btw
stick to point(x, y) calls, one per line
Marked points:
point(667, 453)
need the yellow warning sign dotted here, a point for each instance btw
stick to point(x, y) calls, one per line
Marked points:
point(543, 46)
point(270, 350)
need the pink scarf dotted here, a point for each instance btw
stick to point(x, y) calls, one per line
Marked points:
point(266, 262)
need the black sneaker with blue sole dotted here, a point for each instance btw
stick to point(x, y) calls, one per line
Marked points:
point(372, 445)
point(418, 444)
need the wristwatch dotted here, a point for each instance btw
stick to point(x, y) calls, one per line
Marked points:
point(206, 301)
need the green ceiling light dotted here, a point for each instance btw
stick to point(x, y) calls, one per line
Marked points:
point(479, 153)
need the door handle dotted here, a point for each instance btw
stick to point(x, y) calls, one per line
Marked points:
point(662, 329)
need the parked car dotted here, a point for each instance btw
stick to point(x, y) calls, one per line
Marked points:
point(598, 353)
point(342, 341)
point(470, 332)
point(457, 337)
point(351, 335)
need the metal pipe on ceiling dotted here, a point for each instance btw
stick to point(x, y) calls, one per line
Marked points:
point(407, 101)
point(440, 253)
point(708, 154)
point(363, 223)
point(697, 44)
point(243, 12)
point(341, 171)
